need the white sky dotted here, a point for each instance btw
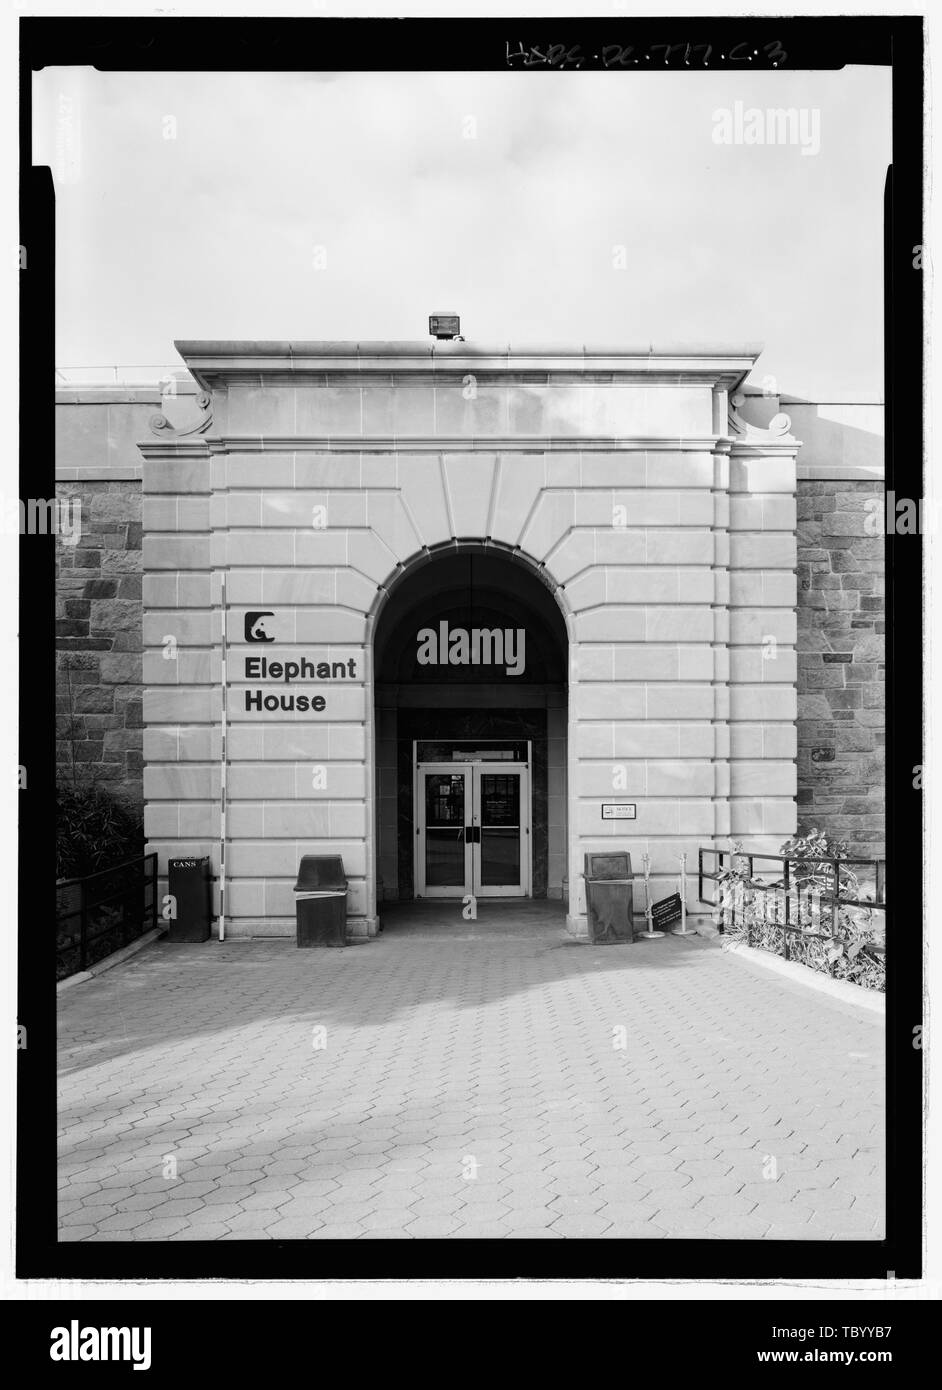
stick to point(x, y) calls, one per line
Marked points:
point(212, 234)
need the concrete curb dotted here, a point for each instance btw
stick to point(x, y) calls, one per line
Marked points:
point(110, 961)
point(841, 990)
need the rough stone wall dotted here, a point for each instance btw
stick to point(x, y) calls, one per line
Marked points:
point(841, 693)
point(99, 730)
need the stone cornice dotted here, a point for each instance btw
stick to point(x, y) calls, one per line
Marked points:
point(169, 446)
point(841, 473)
point(215, 363)
point(88, 473)
point(458, 444)
point(108, 395)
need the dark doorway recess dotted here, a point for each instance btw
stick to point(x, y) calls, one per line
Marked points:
point(468, 587)
point(461, 724)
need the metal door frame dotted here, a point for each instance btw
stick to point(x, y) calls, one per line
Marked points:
point(420, 772)
point(525, 888)
point(472, 770)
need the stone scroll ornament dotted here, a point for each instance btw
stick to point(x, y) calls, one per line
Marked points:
point(159, 424)
point(778, 430)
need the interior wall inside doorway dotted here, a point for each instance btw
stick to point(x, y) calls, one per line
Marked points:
point(396, 730)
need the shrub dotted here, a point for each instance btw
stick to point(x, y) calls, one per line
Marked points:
point(854, 952)
point(93, 831)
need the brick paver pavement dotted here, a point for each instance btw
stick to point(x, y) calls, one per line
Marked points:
point(510, 1086)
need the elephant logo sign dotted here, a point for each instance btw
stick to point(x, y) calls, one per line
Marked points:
point(255, 627)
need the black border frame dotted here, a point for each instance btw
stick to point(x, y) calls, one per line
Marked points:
point(256, 44)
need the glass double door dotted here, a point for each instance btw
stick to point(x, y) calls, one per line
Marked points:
point(472, 830)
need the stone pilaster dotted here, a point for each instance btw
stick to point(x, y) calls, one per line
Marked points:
point(763, 632)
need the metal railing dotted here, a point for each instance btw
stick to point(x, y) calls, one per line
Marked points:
point(796, 907)
point(104, 912)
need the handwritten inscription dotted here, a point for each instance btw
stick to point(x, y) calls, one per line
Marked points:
point(557, 55)
point(563, 56)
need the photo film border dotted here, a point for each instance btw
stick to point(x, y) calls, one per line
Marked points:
point(117, 44)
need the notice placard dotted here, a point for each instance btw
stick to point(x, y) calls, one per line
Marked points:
point(619, 810)
point(666, 912)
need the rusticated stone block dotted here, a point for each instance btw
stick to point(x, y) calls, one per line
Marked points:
point(133, 717)
point(101, 588)
point(821, 679)
point(97, 723)
point(844, 698)
point(117, 615)
point(111, 772)
point(121, 741)
point(94, 699)
point(859, 674)
point(88, 751)
point(121, 669)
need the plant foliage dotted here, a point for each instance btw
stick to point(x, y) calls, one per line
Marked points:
point(848, 944)
point(93, 831)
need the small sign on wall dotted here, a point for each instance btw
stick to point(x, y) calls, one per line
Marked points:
point(619, 810)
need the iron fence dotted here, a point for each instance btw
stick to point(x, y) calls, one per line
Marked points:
point(809, 902)
point(104, 912)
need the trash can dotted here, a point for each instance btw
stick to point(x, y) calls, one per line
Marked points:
point(190, 884)
point(321, 902)
point(609, 899)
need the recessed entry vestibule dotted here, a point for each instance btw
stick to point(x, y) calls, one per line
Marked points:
point(470, 656)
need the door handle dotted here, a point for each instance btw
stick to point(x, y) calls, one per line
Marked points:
point(472, 834)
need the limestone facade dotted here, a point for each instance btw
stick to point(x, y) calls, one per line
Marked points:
point(664, 525)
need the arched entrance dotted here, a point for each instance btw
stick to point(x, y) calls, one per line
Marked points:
point(470, 664)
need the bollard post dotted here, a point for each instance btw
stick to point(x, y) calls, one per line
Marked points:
point(650, 934)
point(682, 931)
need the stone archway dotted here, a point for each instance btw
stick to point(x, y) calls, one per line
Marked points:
point(470, 657)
